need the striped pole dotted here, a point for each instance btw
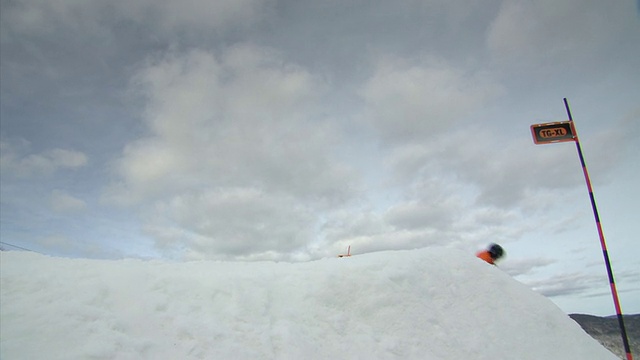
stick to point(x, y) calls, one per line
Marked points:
point(603, 244)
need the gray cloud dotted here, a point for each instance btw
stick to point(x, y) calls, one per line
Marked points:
point(566, 284)
point(544, 34)
point(521, 267)
point(292, 129)
point(584, 283)
point(167, 18)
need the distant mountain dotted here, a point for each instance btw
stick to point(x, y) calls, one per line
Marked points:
point(607, 331)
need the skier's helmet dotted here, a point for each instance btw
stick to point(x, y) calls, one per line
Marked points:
point(496, 251)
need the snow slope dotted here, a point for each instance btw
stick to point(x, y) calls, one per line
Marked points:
point(419, 304)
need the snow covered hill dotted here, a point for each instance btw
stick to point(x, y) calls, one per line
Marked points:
point(431, 303)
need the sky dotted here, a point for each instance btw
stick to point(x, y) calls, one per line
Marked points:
point(290, 130)
point(331, 308)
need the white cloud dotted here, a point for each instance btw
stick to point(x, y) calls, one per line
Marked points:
point(62, 202)
point(16, 161)
point(232, 222)
point(496, 171)
point(63, 244)
point(417, 101)
point(221, 128)
point(244, 120)
point(420, 215)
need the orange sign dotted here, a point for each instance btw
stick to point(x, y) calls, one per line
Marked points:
point(553, 132)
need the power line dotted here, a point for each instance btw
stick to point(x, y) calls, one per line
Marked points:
point(16, 246)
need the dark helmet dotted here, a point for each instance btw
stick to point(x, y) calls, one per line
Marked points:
point(496, 251)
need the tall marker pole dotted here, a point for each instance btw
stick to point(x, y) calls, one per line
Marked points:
point(603, 244)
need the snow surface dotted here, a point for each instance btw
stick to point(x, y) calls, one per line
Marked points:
point(431, 303)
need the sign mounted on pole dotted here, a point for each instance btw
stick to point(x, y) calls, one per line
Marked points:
point(565, 131)
point(553, 132)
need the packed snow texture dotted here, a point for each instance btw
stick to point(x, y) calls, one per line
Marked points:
point(419, 304)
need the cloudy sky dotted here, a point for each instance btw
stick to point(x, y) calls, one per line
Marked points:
point(290, 130)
